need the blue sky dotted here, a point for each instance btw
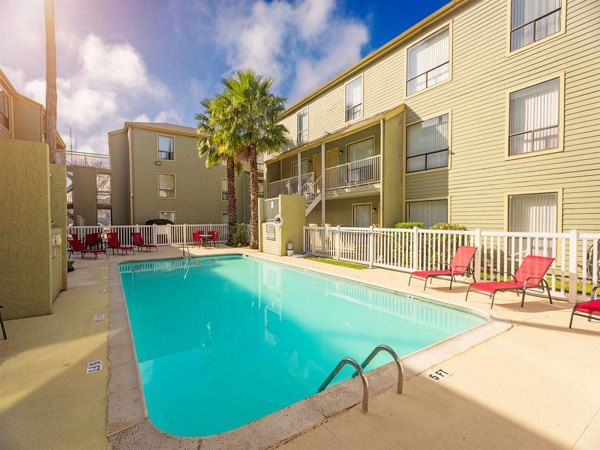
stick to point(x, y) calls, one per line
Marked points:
point(155, 60)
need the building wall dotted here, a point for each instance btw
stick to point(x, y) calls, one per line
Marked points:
point(392, 178)
point(58, 214)
point(119, 162)
point(84, 194)
point(24, 229)
point(198, 189)
point(483, 72)
point(27, 120)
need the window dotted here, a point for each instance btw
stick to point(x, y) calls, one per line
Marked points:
point(534, 117)
point(261, 188)
point(224, 189)
point(166, 147)
point(360, 150)
point(429, 212)
point(354, 99)
point(168, 215)
point(363, 171)
point(4, 113)
point(303, 126)
point(532, 20)
point(427, 144)
point(166, 185)
point(428, 62)
point(361, 215)
point(534, 213)
point(103, 217)
point(303, 167)
point(103, 189)
point(225, 218)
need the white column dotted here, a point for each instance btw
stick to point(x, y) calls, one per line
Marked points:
point(323, 167)
point(299, 174)
point(477, 264)
point(573, 239)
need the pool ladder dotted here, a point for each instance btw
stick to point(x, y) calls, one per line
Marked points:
point(360, 371)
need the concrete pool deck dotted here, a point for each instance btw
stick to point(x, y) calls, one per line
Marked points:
point(530, 387)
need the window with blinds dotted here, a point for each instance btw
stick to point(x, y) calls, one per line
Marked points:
point(532, 20)
point(533, 213)
point(427, 144)
point(4, 120)
point(428, 62)
point(429, 212)
point(166, 185)
point(224, 189)
point(354, 99)
point(166, 147)
point(534, 118)
point(302, 126)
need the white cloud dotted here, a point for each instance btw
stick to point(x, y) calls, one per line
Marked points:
point(299, 43)
point(111, 85)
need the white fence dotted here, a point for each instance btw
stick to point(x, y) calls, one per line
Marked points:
point(576, 254)
point(155, 234)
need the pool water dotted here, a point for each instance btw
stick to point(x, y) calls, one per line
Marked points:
point(223, 341)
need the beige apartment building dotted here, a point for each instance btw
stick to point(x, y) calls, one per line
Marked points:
point(157, 172)
point(485, 114)
point(33, 256)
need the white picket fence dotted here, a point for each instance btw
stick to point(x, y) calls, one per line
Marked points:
point(576, 254)
point(161, 235)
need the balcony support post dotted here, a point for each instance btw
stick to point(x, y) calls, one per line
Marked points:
point(323, 177)
point(299, 174)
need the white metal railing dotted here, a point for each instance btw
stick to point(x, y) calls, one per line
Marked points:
point(355, 173)
point(288, 186)
point(271, 208)
point(85, 159)
point(575, 271)
point(160, 235)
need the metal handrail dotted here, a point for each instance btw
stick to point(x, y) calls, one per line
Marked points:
point(390, 350)
point(359, 370)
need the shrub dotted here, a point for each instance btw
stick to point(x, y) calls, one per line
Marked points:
point(159, 222)
point(409, 225)
point(449, 226)
point(240, 235)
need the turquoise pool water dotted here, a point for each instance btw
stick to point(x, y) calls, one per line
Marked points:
point(223, 341)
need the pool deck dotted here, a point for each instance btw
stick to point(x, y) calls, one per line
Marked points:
point(533, 386)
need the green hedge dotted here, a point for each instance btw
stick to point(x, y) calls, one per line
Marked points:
point(159, 222)
point(449, 226)
point(409, 225)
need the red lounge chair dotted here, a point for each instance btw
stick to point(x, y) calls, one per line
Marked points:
point(529, 276)
point(77, 246)
point(460, 265)
point(138, 241)
point(587, 309)
point(93, 240)
point(113, 242)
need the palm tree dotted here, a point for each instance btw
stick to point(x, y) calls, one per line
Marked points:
point(50, 119)
point(251, 127)
point(212, 145)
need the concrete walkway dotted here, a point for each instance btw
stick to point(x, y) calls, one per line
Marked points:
point(533, 386)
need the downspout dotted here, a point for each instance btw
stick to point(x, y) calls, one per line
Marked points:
point(381, 147)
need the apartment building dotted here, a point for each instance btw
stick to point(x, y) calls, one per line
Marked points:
point(33, 262)
point(156, 172)
point(485, 114)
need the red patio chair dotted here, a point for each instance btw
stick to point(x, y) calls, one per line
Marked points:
point(587, 309)
point(213, 237)
point(75, 245)
point(460, 265)
point(93, 240)
point(531, 275)
point(115, 244)
point(197, 239)
point(138, 241)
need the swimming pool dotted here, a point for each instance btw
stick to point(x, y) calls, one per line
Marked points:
point(223, 341)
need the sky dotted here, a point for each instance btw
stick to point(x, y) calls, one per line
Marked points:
point(156, 60)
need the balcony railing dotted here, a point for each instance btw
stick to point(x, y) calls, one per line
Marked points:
point(288, 186)
point(87, 159)
point(355, 173)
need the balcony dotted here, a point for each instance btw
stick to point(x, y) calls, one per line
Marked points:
point(288, 186)
point(85, 159)
point(356, 173)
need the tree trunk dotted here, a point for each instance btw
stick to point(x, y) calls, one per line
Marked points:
point(50, 119)
point(231, 202)
point(253, 199)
